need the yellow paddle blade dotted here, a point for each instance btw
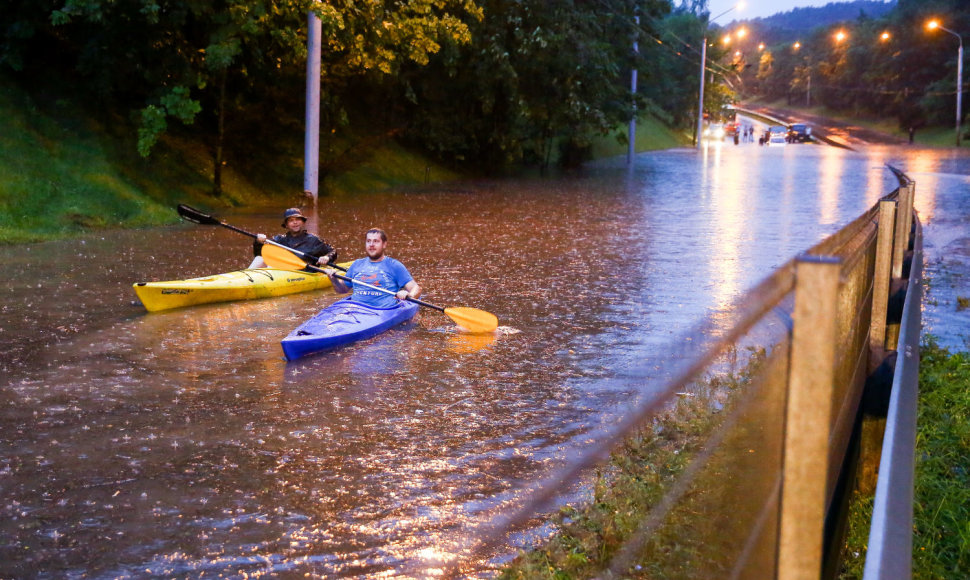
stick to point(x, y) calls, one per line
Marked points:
point(472, 319)
point(277, 257)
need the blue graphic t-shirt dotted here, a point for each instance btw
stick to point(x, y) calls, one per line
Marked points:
point(388, 273)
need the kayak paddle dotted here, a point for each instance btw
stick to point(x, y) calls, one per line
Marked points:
point(471, 319)
point(193, 215)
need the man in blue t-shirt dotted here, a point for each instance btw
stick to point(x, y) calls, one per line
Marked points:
point(377, 269)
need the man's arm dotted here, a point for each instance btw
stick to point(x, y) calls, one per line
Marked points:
point(410, 290)
point(339, 286)
point(327, 253)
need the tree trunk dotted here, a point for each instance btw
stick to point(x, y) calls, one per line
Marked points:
point(220, 137)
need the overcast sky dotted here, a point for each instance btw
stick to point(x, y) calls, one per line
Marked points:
point(757, 8)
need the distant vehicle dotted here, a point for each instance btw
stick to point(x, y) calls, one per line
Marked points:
point(731, 129)
point(714, 131)
point(776, 135)
point(799, 133)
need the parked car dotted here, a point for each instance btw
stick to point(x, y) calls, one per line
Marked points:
point(799, 133)
point(776, 135)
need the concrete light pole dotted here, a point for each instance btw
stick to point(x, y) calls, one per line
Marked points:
point(700, 97)
point(933, 25)
point(311, 139)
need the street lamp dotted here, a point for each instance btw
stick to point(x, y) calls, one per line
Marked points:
point(700, 98)
point(933, 25)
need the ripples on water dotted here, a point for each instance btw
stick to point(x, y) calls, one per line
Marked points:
point(180, 442)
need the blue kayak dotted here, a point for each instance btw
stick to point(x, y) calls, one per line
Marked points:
point(343, 322)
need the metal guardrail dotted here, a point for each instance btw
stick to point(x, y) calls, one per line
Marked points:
point(891, 531)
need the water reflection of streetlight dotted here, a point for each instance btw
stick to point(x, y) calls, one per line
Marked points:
point(700, 98)
point(933, 25)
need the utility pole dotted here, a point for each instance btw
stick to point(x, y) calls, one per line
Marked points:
point(311, 142)
point(632, 139)
point(700, 97)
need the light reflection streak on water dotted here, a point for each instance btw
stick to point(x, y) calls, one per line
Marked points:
point(185, 439)
point(831, 187)
point(926, 167)
point(726, 206)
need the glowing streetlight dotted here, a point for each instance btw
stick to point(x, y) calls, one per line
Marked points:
point(797, 45)
point(933, 25)
point(884, 37)
point(700, 98)
point(840, 36)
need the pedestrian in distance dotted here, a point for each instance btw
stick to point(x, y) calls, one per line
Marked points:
point(318, 252)
point(377, 269)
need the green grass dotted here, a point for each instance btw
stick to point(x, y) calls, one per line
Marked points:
point(389, 166)
point(64, 173)
point(941, 510)
point(651, 135)
point(941, 545)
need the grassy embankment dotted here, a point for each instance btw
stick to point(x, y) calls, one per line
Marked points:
point(941, 495)
point(937, 136)
point(64, 173)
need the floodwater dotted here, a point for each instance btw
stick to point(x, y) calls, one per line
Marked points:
point(180, 443)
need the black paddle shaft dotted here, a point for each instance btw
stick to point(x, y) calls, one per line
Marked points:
point(195, 216)
point(313, 268)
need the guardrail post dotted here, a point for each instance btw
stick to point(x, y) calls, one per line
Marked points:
point(904, 220)
point(881, 280)
point(910, 201)
point(808, 418)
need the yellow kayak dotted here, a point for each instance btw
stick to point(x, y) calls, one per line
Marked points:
point(239, 285)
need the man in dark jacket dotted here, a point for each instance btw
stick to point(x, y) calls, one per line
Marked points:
point(319, 252)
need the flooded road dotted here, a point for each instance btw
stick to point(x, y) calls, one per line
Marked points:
point(180, 443)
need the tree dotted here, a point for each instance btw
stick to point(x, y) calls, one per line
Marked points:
point(189, 59)
point(537, 74)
